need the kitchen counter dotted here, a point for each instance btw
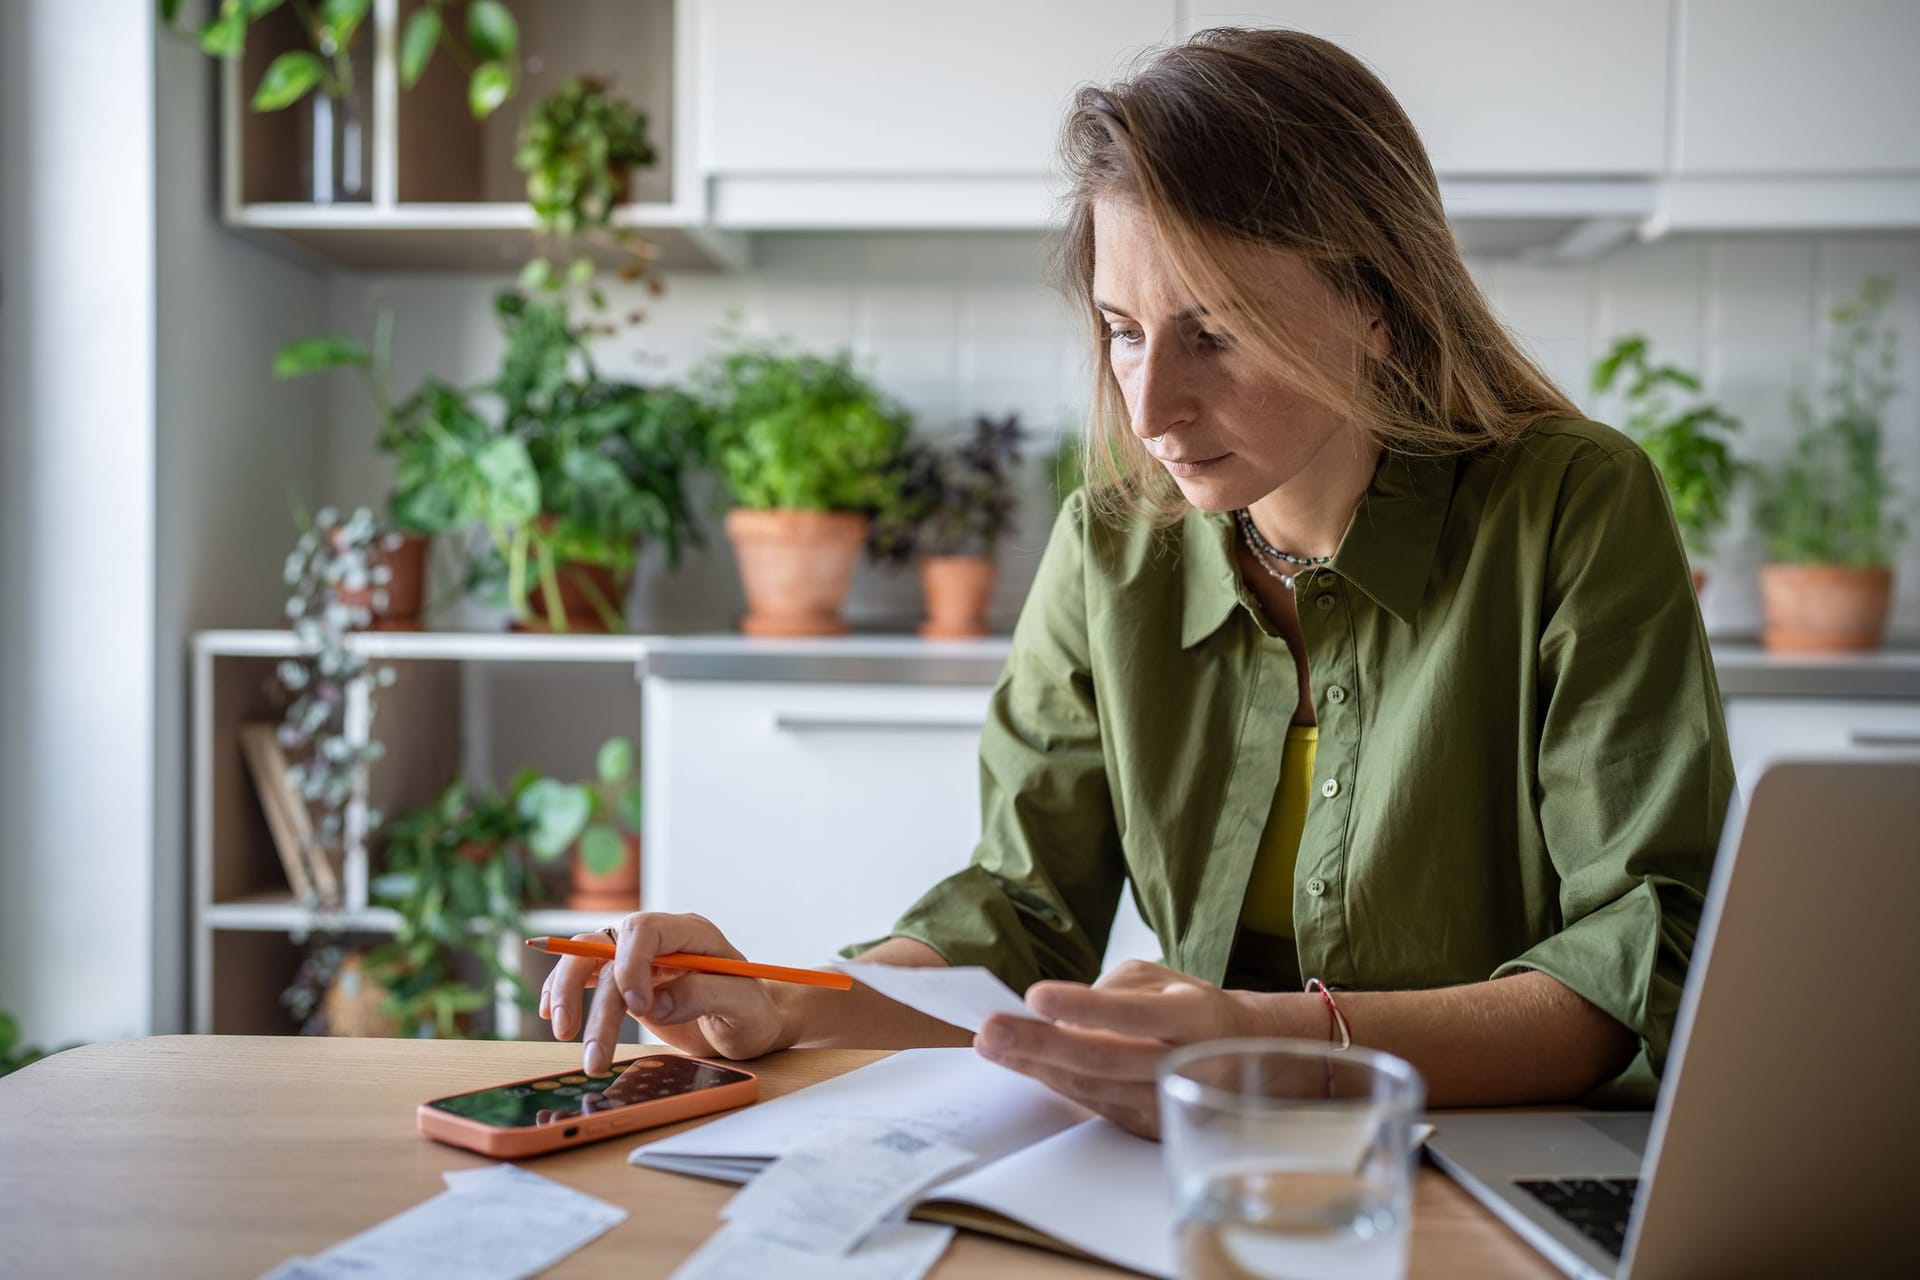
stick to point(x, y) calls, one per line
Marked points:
point(1745, 669)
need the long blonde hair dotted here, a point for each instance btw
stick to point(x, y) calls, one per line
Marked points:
point(1272, 139)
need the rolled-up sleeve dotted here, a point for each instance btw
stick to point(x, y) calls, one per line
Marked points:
point(1039, 896)
point(1634, 775)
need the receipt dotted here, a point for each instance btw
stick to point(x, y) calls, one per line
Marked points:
point(966, 996)
point(497, 1223)
point(736, 1252)
point(827, 1196)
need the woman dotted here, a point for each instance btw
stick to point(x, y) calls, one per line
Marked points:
point(1362, 657)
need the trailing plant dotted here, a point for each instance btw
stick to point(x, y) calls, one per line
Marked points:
point(489, 55)
point(551, 461)
point(1831, 500)
point(14, 1052)
point(578, 147)
point(792, 431)
point(951, 499)
point(1688, 445)
point(331, 556)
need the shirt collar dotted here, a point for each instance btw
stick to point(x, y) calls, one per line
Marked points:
point(1387, 551)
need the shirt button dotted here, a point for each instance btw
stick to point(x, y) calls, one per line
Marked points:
point(1336, 694)
point(1330, 788)
point(1316, 886)
point(1324, 600)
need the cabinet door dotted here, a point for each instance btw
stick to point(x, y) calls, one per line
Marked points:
point(1761, 727)
point(875, 87)
point(1503, 86)
point(1784, 87)
point(803, 817)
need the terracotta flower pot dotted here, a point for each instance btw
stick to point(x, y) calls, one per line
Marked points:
point(406, 589)
point(957, 588)
point(1824, 608)
point(616, 890)
point(351, 1004)
point(796, 567)
point(580, 583)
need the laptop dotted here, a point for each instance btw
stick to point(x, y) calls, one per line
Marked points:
point(1786, 1137)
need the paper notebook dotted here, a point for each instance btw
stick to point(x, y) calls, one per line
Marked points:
point(1049, 1172)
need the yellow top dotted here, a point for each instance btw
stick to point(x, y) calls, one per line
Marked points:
point(1268, 907)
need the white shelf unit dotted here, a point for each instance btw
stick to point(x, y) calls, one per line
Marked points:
point(445, 192)
point(436, 721)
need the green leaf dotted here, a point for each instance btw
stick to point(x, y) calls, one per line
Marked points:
point(513, 486)
point(417, 45)
point(255, 8)
point(491, 85)
point(287, 80)
point(169, 10)
point(311, 355)
point(602, 849)
point(492, 31)
point(631, 808)
point(9, 1033)
point(558, 812)
point(535, 275)
point(615, 761)
point(225, 35)
point(343, 18)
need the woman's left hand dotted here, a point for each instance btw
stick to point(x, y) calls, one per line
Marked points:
point(1106, 1040)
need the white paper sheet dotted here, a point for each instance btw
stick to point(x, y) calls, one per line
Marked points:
point(965, 997)
point(948, 1095)
point(826, 1197)
point(498, 1223)
point(906, 1251)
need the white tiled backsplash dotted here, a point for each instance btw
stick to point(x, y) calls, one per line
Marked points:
point(959, 324)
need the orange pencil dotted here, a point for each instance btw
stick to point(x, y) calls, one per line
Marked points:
point(593, 949)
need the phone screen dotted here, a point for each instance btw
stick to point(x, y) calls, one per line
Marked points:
point(569, 1095)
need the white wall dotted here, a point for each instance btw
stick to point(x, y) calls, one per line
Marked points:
point(960, 324)
point(76, 516)
point(236, 446)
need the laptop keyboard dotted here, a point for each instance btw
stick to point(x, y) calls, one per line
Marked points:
point(1597, 1207)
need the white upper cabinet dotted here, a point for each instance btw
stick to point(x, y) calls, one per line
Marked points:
point(1504, 87)
point(879, 87)
point(1781, 87)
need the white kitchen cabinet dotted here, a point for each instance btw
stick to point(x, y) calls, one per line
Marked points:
point(1780, 87)
point(875, 113)
point(1499, 87)
point(803, 816)
point(1758, 727)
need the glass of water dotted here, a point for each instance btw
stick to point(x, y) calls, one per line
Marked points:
point(1290, 1159)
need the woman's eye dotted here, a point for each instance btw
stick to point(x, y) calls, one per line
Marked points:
point(1125, 337)
point(1214, 341)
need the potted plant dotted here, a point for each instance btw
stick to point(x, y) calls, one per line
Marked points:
point(16, 1053)
point(1829, 506)
point(459, 875)
point(341, 88)
point(563, 472)
point(806, 447)
point(579, 147)
point(599, 822)
point(950, 507)
point(1688, 445)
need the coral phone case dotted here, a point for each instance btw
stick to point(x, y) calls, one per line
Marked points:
point(568, 1108)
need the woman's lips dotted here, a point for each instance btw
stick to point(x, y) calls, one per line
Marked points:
point(1198, 466)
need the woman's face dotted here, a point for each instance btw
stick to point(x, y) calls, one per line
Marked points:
point(1228, 433)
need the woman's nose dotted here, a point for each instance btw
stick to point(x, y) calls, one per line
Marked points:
point(1159, 395)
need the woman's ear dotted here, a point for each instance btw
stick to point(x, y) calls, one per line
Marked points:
point(1379, 338)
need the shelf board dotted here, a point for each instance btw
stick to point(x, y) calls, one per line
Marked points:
point(481, 646)
point(474, 236)
point(280, 913)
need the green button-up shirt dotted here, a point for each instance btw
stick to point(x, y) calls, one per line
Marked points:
point(1525, 765)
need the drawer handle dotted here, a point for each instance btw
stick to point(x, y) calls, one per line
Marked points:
point(1866, 738)
point(849, 724)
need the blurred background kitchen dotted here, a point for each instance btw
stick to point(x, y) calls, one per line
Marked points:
point(295, 298)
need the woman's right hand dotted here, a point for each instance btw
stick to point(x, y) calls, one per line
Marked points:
point(708, 1014)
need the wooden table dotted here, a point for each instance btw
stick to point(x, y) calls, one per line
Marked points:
point(224, 1155)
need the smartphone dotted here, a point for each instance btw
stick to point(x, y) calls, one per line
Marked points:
point(567, 1108)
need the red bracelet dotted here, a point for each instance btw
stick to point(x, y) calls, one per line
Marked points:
point(1336, 1021)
